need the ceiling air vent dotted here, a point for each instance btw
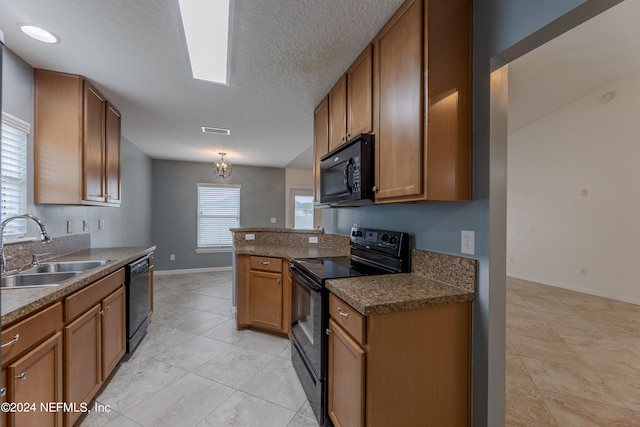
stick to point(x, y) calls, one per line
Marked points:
point(218, 131)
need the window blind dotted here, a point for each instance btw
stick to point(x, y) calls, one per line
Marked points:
point(14, 173)
point(218, 211)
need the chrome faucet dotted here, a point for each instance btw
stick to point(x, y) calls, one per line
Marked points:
point(44, 235)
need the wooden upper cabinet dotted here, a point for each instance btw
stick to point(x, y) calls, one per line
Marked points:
point(94, 147)
point(320, 141)
point(399, 142)
point(338, 113)
point(112, 153)
point(423, 71)
point(76, 142)
point(351, 101)
point(360, 94)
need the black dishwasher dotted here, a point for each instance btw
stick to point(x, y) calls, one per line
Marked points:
point(138, 301)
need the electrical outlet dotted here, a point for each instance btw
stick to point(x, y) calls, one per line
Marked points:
point(313, 239)
point(101, 224)
point(249, 236)
point(172, 257)
point(273, 220)
point(85, 225)
point(69, 227)
point(467, 242)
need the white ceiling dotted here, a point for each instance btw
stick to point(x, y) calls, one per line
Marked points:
point(591, 56)
point(285, 55)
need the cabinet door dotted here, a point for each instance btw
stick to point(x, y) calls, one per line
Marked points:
point(82, 360)
point(399, 143)
point(360, 94)
point(112, 154)
point(320, 142)
point(93, 144)
point(3, 392)
point(113, 330)
point(35, 378)
point(346, 378)
point(338, 113)
point(265, 293)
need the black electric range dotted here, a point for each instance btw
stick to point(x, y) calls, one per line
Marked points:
point(372, 252)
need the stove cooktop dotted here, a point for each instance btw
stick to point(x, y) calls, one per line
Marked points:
point(324, 268)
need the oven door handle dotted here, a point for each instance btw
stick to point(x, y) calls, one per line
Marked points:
point(302, 278)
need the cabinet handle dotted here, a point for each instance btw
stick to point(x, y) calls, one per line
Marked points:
point(343, 313)
point(3, 392)
point(22, 376)
point(12, 342)
point(266, 262)
point(348, 135)
point(101, 312)
point(108, 307)
point(328, 331)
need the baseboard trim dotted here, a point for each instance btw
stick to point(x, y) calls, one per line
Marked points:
point(191, 270)
point(576, 289)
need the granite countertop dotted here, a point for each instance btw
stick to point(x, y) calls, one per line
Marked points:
point(396, 292)
point(18, 303)
point(287, 252)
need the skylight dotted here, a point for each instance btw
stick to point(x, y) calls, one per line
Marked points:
point(206, 29)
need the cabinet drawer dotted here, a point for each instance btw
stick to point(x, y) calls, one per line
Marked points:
point(30, 332)
point(86, 298)
point(347, 317)
point(266, 264)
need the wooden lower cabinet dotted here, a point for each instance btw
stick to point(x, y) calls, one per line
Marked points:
point(408, 368)
point(36, 378)
point(114, 330)
point(346, 378)
point(266, 299)
point(263, 294)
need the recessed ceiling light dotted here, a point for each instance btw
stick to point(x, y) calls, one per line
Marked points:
point(39, 33)
point(206, 30)
point(219, 131)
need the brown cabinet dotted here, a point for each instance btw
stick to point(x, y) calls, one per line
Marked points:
point(76, 142)
point(423, 71)
point(351, 101)
point(263, 294)
point(94, 338)
point(405, 368)
point(320, 141)
point(32, 367)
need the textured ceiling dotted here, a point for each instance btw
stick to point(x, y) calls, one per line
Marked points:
point(591, 56)
point(285, 55)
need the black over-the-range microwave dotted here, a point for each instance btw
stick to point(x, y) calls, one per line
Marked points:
point(347, 173)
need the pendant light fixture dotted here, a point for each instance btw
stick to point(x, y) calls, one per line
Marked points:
point(222, 168)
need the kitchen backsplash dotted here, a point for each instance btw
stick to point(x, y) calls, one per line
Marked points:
point(450, 269)
point(289, 237)
point(21, 252)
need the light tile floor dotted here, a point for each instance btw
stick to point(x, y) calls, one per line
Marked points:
point(194, 369)
point(572, 359)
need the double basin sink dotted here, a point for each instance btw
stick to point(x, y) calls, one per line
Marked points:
point(50, 273)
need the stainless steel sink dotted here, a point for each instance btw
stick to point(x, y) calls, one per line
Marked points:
point(65, 266)
point(36, 280)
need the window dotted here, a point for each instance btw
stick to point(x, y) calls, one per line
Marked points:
point(14, 173)
point(218, 211)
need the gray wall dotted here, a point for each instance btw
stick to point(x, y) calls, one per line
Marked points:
point(262, 197)
point(128, 225)
point(503, 30)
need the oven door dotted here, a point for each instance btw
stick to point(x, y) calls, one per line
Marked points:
point(306, 318)
point(308, 342)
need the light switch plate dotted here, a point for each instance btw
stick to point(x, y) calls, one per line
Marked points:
point(273, 220)
point(69, 227)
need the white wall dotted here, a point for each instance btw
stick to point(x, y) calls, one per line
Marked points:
point(556, 235)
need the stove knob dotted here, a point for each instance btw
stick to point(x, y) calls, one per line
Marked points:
point(359, 233)
point(353, 233)
point(384, 237)
point(392, 239)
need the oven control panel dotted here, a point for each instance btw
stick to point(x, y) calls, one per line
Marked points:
point(378, 239)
